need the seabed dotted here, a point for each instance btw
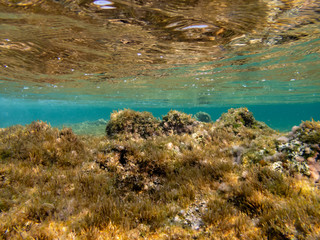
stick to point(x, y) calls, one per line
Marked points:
point(179, 177)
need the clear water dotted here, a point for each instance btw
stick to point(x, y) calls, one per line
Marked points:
point(72, 61)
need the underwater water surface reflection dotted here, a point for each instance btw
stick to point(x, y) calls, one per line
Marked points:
point(161, 54)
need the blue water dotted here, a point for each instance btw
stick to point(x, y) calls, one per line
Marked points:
point(211, 56)
point(281, 117)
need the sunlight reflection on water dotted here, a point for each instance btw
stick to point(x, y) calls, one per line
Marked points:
point(200, 53)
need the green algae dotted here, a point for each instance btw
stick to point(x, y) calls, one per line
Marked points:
point(149, 180)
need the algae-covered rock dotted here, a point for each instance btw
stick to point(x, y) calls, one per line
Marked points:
point(178, 122)
point(240, 117)
point(203, 117)
point(216, 183)
point(129, 122)
point(39, 143)
point(308, 132)
point(255, 139)
point(302, 150)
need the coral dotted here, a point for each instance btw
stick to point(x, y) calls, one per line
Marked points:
point(177, 123)
point(129, 122)
point(203, 117)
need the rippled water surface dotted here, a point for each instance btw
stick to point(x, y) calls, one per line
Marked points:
point(90, 56)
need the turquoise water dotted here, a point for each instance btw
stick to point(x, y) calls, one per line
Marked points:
point(66, 62)
point(281, 117)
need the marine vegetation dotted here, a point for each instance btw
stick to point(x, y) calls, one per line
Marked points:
point(132, 123)
point(176, 122)
point(240, 117)
point(301, 149)
point(175, 178)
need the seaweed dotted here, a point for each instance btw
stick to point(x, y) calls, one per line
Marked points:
point(129, 122)
point(151, 179)
point(176, 122)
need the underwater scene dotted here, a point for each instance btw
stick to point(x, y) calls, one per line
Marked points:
point(160, 119)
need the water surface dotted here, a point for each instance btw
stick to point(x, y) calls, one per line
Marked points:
point(68, 61)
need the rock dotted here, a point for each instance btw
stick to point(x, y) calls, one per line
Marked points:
point(192, 216)
point(314, 173)
point(283, 139)
point(177, 122)
point(299, 159)
point(311, 160)
point(203, 117)
point(244, 174)
point(237, 152)
point(129, 122)
point(224, 187)
point(294, 129)
point(170, 146)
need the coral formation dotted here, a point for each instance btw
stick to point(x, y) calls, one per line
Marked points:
point(175, 179)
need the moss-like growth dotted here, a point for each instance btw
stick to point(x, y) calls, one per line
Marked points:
point(177, 123)
point(210, 184)
point(302, 149)
point(240, 117)
point(41, 144)
point(203, 117)
point(308, 132)
point(129, 122)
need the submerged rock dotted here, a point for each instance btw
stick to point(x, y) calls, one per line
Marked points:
point(240, 117)
point(129, 122)
point(309, 132)
point(192, 216)
point(203, 117)
point(177, 123)
point(302, 149)
point(143, 124)
point(39, 143)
